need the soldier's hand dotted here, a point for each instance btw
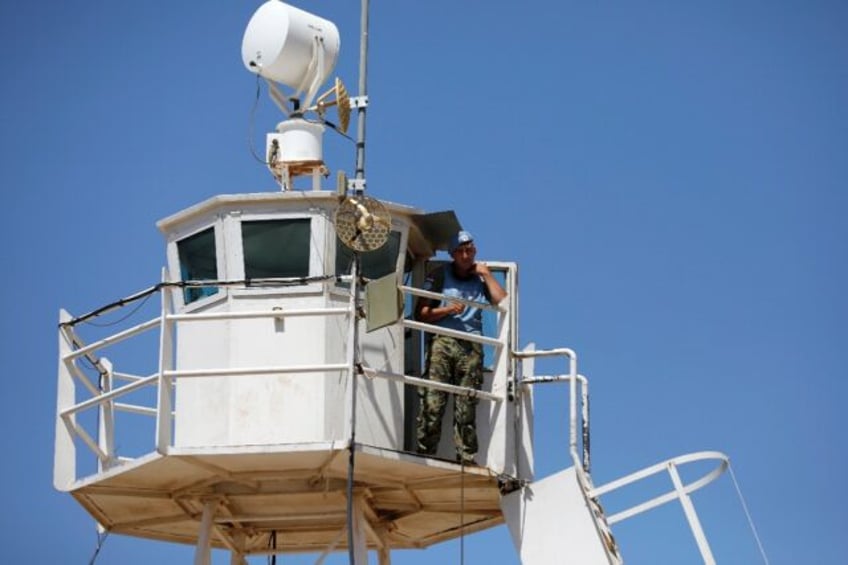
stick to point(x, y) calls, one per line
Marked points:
point(455, 308)
point(482, 269)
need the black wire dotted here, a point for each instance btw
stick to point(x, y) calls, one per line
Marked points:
point(112, 305)
point(251, 132)
point(101, 538)
point(331, 125)
point(126, 317)
point(252, 283)
point(94, 367)
point(272, 544)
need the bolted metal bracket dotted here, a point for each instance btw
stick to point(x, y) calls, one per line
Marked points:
point(356, 184)
point(358, 102)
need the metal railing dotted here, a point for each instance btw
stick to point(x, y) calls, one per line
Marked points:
point(500, 345)
point(681, 492)
point(104, 395)
point(109, 398)
point(578, 401)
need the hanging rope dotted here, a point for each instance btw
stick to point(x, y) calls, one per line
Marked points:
point(747, 513)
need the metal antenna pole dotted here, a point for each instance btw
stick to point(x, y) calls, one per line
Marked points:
point(354, 369)
point(363, 93)
point(360, 188)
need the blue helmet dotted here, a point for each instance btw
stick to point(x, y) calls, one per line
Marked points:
point(461, 237)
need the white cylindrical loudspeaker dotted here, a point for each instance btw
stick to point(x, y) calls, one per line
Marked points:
point(279, 41)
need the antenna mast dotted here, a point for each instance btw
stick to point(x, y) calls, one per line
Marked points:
point(362, 100)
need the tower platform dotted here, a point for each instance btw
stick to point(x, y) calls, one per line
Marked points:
point(298, 491)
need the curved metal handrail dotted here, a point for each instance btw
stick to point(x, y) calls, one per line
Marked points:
point(666, 465)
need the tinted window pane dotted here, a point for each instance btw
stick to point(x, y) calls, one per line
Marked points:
point(276, 248)
point(375, 264)
point(198, 262)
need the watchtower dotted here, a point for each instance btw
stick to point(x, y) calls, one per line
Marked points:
point(280, 414)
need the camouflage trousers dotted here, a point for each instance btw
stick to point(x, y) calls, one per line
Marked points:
point(457, 362)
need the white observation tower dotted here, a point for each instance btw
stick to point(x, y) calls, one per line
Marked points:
point(280, 413)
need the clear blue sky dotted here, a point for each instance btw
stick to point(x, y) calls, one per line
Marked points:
point(669, 176)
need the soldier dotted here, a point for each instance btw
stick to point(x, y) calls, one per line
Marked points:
point(451, 360)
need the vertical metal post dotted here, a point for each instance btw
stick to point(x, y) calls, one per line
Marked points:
point(65, 456)
point(353, 359)
point(203, 552)
point(359, 550)
point(166, 362)
point(584, 389)
point(572, 406)
point(363, 91)
point(237, 555)
point(691, 515)
point(106, 431)
point(354, 341)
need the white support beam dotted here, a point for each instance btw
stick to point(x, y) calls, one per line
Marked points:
point(164, 401)
point(64, 462)
point(203, 552)
point(106, 431)
point(691, 515)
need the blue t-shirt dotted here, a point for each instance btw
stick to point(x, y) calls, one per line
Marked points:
point(471, 288)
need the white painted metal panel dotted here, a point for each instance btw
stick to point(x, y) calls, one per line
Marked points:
point(379, 420)
point(202, 414)
point(550, 515)
point(280, 408)
point(287, 408)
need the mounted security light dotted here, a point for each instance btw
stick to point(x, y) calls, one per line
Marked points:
point(287, 45)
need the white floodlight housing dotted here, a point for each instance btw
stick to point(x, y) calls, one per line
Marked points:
point(290, 46)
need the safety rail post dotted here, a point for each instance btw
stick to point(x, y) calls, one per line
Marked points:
point(572, 377)
point(164, 417)
point(106, 433)
point(501, 350)
point(64, 463)
point(691, 515)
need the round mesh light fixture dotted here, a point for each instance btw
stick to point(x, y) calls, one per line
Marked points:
point(362, 223)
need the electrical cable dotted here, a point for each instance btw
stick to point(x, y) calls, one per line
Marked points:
point(259, 282)
point(251, 132)
point(331, 125)
point(272, 544)
point(112, 305)
point(125, 317)
point(101, 538)
point(747, 513)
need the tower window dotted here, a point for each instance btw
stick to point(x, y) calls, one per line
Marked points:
point(198, 262)
point(276, 248)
